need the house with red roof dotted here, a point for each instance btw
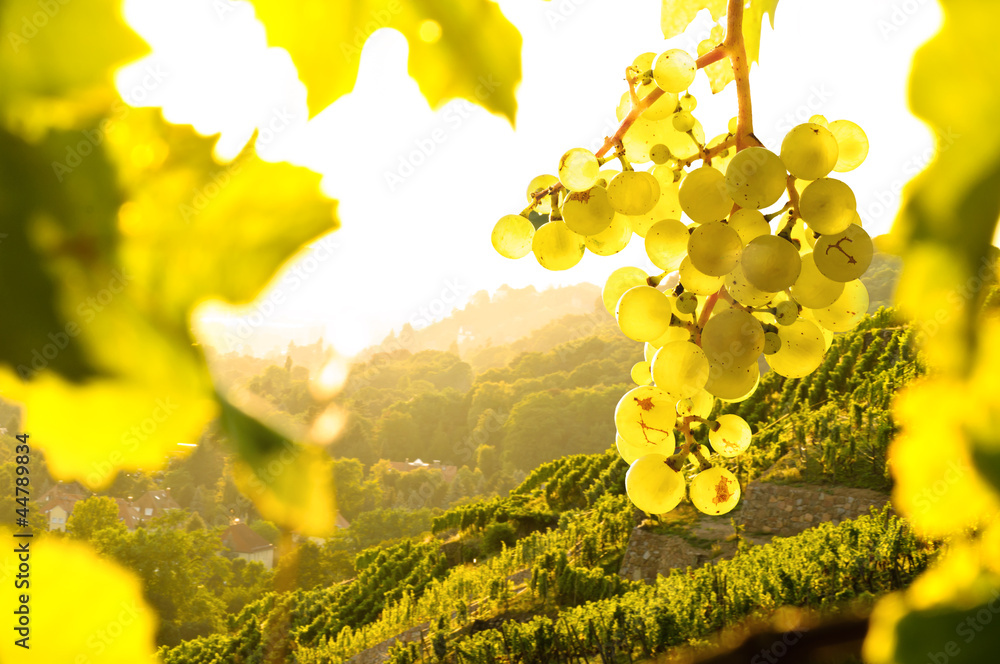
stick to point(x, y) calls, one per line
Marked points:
point(247, 544)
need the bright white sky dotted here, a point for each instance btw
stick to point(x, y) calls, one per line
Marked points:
point(410, 251)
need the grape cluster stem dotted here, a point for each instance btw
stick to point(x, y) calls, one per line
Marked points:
point(732, 47)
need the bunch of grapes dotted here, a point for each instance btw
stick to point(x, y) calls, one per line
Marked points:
point(740, 290)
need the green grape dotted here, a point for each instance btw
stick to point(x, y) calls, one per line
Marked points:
point(683, 121)
point(801, 352)
point(714, 491)
point(744, 292)
point(772, 343)
point(810, 315)
point(646, 414)
point(640, 373)
point(714, 248)
point(666, 243)
point(687, 102)
point(845, 256)
point(633, 192)
point(624, 106)
point(629, 452)
point(749, 224)
point(659, 154)
point(687, 303)
point(673, 70)
point(813, 289)
point(668, 207)
point(732, 436)
point(668, 177)
point(673, 333)
point(556, 247)
point(588, 212)
point(658, 110)
point(699, 405)
point(643, 313)
point(652, 485)
point(853, 144)
point(642, 136)
point(612, 239)
point(605, 176)
point(820, 120)
point(802, 237)
point(541, 183)
point(809, 151)
point(733, 338)
point(680, 368)
point(512, 236)
point(734, 125)
point(696, 281)
point(618, 282)
point(578, 169)
point(732, 384)
point(756, 178)
point(702, 449)
point(703, 195)
point(786, 313)
point(724, 157)
point(770, 263)
point(683, 144)
point(848, 310)
point(644, 62)
point(828, 206)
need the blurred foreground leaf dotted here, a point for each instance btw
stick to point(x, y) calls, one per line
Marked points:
point(458, 48)
point(82, 607)
point(290, 483)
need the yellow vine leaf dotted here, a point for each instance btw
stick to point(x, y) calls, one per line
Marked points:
point(290, 483)
point(458, 48)
point(57, 59)
point(81, 607)
point(753, 21)
point(938, 488)
point(945, 616)
point(194, 229)
point(720, 74)
point(143, 226)
point(676, 15)
point(950, 210)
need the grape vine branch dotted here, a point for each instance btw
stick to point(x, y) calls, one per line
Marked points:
point(732, 47)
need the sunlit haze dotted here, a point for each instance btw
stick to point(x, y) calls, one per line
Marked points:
point(420, 190)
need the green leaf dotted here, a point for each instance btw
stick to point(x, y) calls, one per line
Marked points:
point(74, 575)
point(112, 250)
point(195, 229)
point(36, 333)
point(950, 211)
point(57, 59)
point(458, 48)
point(947, 615)
point(676, 15)
point(290, 483)
point(753, 20)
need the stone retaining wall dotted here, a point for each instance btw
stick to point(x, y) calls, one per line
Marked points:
point(649, 554)
point(769, 509)
point(776, 509)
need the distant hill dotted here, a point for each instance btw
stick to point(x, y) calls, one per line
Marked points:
point(506, 316)
point(881, 279)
